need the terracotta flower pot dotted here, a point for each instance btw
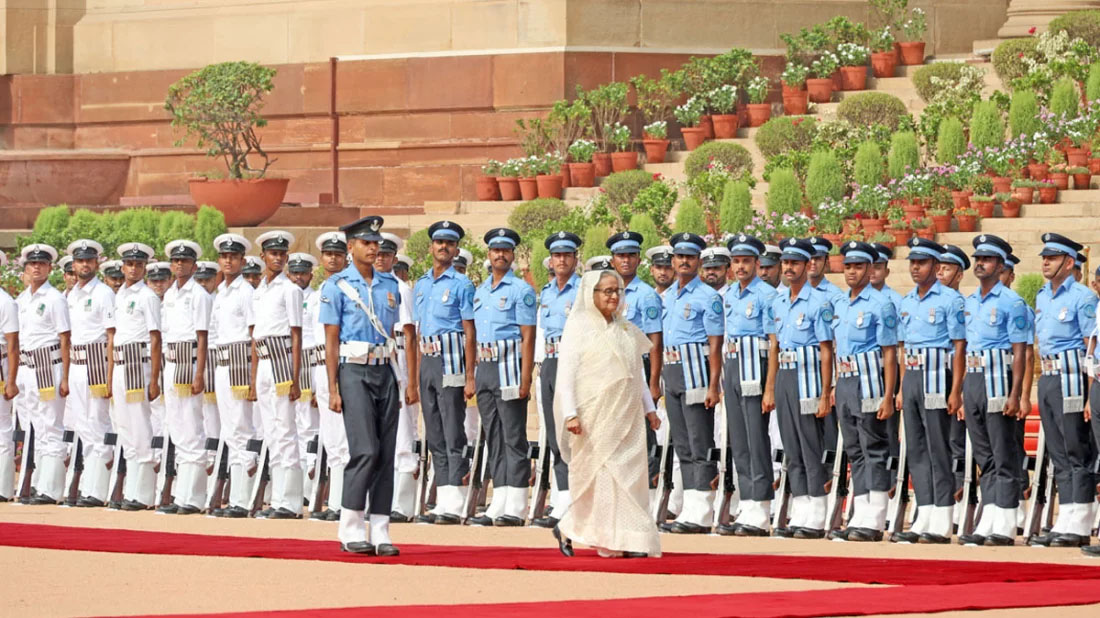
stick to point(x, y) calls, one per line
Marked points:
point(1038, 171)
point(1082, 181)
point(1094, 165)
point(1076, 157)
point(787, 89)
point(602, 161)
point(622, 161)
point(1002, 184)
point(960, 199)
point(901, 236)
point(873, 226)
point(967, 223)
point(836, 263)
point(1060, 180)
point(243, 202)
point(833, 238)
point(883, 64)
point(566, 177)
point(509, 188)
point(693, 136)
point(838, 85)
point(1025, 195)
point(942, 223)
point(655, 150)
point(912, 52)
point(853, 78)
point(487, 189)
point(1048, 195)
point(708, 126)
point(742, 115)
point(796, 103)
point(549, 185)
point(582, 174)
point(820, 90)
point(913, 211)
point(984, 208)
point(528, 188)
point(927, 233)
point(1011, 209)
point(851, 226)
point(759, 113)
point(725, 125)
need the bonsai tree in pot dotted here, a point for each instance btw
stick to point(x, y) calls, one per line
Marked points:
point(220, 105)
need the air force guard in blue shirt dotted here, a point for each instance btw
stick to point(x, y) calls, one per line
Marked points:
point(996, 348)
point(747, 312)
point(693, 332)
point(444, 315)
point(504, 314)
point(359, 306)
point(800, 387)
point(866, 359)
point(1065, 314)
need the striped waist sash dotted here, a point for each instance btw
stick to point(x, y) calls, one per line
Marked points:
point(94, 355)
point(995, 365)
point(749, 351)
point(238, 358)
point(507, 356)
point(209, 394)
point(452, 348)
point(866, 366)
point(182, 354)
point(132, 357)
point(551, 347)
point(692, 357)
point(42, 361)
point(315, 356)
point(806, 361)
point(934, 363)
point(277, 350)
point(1068, 366)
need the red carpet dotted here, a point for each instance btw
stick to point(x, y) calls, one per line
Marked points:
point(838, 569)
point(844, 601)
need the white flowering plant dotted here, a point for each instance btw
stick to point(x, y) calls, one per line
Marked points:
point(656, 130)
point(913, 29)
point(492, 167)
point(852, 54)
point(757, 88)
point(581, 150)
point(722, 99)
point(825, 65)
point(882, 40)
point(690, 112)
point(794, 74)
point(512, 168)
point(619, 135)
point(1057, 56)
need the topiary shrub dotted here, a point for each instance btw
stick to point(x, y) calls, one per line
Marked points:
point(134, 225)
point(1092, 85)
point(734, 156)
point(49, 228)
point(872, 108)
point(1079, 24)
point(209, 224)
point(84, 223)
point(1028, 286)
point(1064, 98)
point(690, 218)
point(535, 214)
point(173, 225)
point(784, 193)
point(922, 77)
point(594, 239)
point(735, 212)
point(1023, 113)
point(987, 128)
point(868, 168)
point(1007, 59)
point(904, 154)
point(825, 179)
point(782, 133)
point(644, 225)
point(951, 141)
point(622, 187)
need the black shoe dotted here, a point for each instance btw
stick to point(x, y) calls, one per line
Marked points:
point(265, 513)
point(427, 518)
point(727, 529)
point(747, 530)
point(358, 547)
point(507, 521)
point(1069, 540)
point(864, 535)
point(219, 513)
point(168, 509)
point(635, 554)
point(42, 499)
point(133, 505)
point(70, 501)
point(115, 506)
point(686, 527)
point(545, 522)
point(808, 533)
point(565, 546)
point(783, 533)
point(971, 539)
point(839, 535)
point(1091, 550)
point(934, 539)
point(1042, 540)
point(666, 526)
point(90, 502)
point(446, 519)
point(480, 520)
point(999, 540)
point(187, 509)
point(332, 515)
point(4, 499)
point(904, 537)
point(318, 515)
point(387, 550)
point(284, 513)
point(236, 512)
point(399, 518)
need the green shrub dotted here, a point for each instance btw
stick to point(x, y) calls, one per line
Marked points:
point(1023, 114)
point(1092, 85)
point(644, 225)
point(922, 78)
point(538, 273)
point(535, 214)
point(872, 108)
point(781, 134)
point(1028, 286)
point(1079, 24)
point(1064, 99)
point(174, 225)
point(86, 223)
point(825, 179)
point(784, 193)
point(904, 154)
point(735, 212)
point(868, 168)
point(50, 226)
point(987, 127)
point(594, 239)
point(1007, 61)
point(733, 156)
point(690, 218)
point(622, 187)
point(209, 224)
point(951, 141)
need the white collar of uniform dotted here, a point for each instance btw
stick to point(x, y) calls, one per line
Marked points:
point(187, 287)
point(87, 288)
point(42, 289)
point(237, 282)
point(136, 287)
point(278, 280)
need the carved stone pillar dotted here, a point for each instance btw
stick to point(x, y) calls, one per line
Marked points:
point(1024, 14)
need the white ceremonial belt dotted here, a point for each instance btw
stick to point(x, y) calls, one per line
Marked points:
point(788, 357)
point(365, 353)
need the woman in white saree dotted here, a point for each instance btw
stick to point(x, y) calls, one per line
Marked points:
point(599, 405)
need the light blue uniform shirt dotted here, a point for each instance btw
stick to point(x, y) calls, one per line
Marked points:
point(643, 306)
point(865, 323)
point(935, 320)
point(500, 311)
point(895, 298)
point(442, 304)
point(692, 313)
point(554, 304)
point(996, 321)
point(806, 321)
point(1064, 317)
point(748, 311)
point(339, 310)
point(831, 291)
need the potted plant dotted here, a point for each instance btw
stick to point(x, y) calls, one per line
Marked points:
point(582, 171)
point(759, 109)
point(983, 205)
point(979, 185)
point(622, 159)
point(901, 230)
point(941, 218)
point(836, 260)
point(883, 58)
point(1038, 168)
point(1004, 168)
point(528, 177)
point(1010, 205)
point(487, 187)
point(886, 237)
point(922, 228)
point(1082, 177)
point(1057, 170)
point(688, 116)
point(1024, 189)
point(1094, 160)
point(609, 105)
point(547, 178)
point(655, 142)
point(820, 86)
point(829, 219)
point(723, 104)
point(967, 218)
point(912, 30)
point(795, 98)
point(871, 203)
point(509, 180)
point(1048, 192)
point(220, 106)
point(853, 65)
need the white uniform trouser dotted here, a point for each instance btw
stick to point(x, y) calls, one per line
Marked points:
point(406, 461)
point(333, 437)
point(308, 423)
point(7, 449)
point(93, 421)
point(211, 424)
point(236, 420)
point(184, 422)
point(133, 422)
point(47, 419)
point(281, 436)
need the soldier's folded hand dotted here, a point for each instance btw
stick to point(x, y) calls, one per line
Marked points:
point(198, 384)
point(295, 392)
point(654, 420)
point(335, 403)
point(63, 388)
point(412, 395)
point(154, 391)
point(11, 391)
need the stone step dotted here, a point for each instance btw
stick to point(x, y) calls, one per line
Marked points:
point(9, 239)
point(1023, 238)
point(1037, 225)
point(1070, 209)
point(670, 171)
point(581, 194)
point(1079, 196)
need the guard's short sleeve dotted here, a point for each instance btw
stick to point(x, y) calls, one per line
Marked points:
point(9, 315)
point(714, 321)
point(293, 299)
point(150, 306)
point(108, 301)
point(1018, 330)
point(886, 331)
point(526, 305)
point(59, 310)
point(651, 313)
point(1086, 310)
point(405, 312)
point(823, 325)
point(332, 303)
point(466, 292)
point(956, 318)
point(201, 309)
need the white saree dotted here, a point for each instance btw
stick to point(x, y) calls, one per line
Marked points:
point(601, 381)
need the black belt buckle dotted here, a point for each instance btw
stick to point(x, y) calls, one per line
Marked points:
point(255, 446)
point(828, 457)
point(958, 465)
point(211, 444)
point(778, 455)
point(312, 446)
point(158, 442)
point(1030, 462)
point(110, 438)
point(714, 453)
point(655, 451)
point(68, 436)
point(18, 435)
point(468, 452)
point(892, 463)
point(532, 450)
point(417, 446)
